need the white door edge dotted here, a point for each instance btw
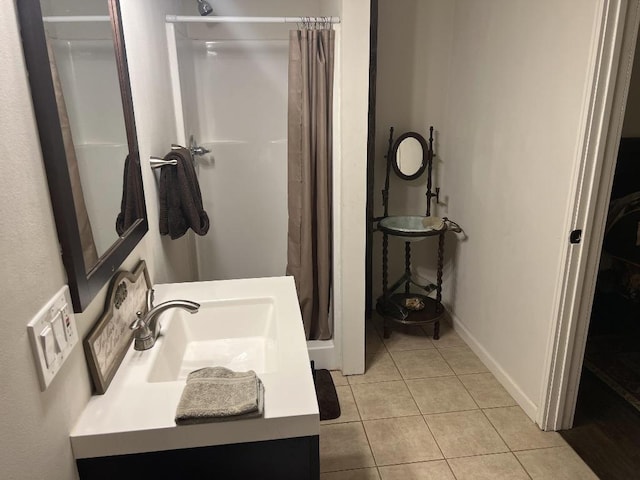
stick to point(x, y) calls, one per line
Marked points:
point(613, 50)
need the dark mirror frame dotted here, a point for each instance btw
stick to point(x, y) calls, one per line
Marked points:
point(394, 152)
point(84, 281)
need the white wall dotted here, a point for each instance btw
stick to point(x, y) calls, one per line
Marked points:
point(517, 91)
point(503, 82)
point(354, 105)
point(35, 426)
point(34, 441)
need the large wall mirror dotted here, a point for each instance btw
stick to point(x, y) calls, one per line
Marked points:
point(75, 55)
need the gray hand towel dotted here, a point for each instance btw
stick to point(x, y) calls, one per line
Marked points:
point(215, 394)
point(180, 197)
point(132, 204)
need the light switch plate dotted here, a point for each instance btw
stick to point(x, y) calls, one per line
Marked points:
point(53, 335)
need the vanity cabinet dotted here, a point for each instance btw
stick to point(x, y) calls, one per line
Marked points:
point(283, 459)
point(130, 430)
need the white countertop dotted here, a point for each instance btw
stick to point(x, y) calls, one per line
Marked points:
point(136, 416)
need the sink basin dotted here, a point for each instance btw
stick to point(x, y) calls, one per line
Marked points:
point(248, 324)
point(237, 334)
point(412, 227)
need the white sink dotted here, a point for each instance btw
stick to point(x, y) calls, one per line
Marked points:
point(237, 334)
point(249, 324)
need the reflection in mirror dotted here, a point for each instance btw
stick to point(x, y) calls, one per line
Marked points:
point(85, 78)
point(409, 155)
point(82, 102)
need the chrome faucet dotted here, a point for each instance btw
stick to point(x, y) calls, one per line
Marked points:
point(147, 327)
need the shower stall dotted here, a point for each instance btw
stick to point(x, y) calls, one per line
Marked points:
point(229, 79)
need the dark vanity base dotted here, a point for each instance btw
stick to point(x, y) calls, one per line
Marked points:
point(291, 458)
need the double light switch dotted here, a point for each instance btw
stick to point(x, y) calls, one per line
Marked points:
point(53, 335)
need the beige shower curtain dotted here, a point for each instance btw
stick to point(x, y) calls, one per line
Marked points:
point(89, 251)
point(309, 252)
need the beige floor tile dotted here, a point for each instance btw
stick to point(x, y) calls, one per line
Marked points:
point(348, 409)
point(462, 360)
point(502, 466)
point(360, 474)
point(559, 463)
point(448, 337)
point(421, 364)
point(440, 394)
point(435, 470)
point(463, 434)
point(344, 446)
point(379, 368)
point(338, 378)
point(519, 432)
point(384, 400)
point(407, 338)
point(401, 440)
point(486, 390)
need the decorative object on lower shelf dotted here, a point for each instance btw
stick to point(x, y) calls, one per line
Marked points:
point(413, 303)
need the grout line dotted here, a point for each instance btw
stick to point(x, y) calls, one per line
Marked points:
point(434, 438)
point(358, 410)
point(451, 469)
point(468, 392)
point(496, 430)
point(375, 462)
point(522, 465)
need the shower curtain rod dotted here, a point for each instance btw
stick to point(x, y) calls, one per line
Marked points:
point(214, 19)
point(77, 19)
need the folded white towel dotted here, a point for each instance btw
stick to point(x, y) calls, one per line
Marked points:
point(215, 394)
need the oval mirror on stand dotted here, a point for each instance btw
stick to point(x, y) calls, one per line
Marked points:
point(409, 155)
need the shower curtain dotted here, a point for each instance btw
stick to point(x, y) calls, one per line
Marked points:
point(309, 252)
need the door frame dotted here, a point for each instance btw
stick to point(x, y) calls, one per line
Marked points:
point(615, 32)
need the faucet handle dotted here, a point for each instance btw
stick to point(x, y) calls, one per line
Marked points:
point(139, 322)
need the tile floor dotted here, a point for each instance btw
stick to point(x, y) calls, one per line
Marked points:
point(431, 410)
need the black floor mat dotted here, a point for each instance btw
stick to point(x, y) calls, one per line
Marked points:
point(326, 393)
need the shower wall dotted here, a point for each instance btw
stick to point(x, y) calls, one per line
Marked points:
point(240, 114)
point(233, 100)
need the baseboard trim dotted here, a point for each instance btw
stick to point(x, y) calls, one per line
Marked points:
point(501, 375)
